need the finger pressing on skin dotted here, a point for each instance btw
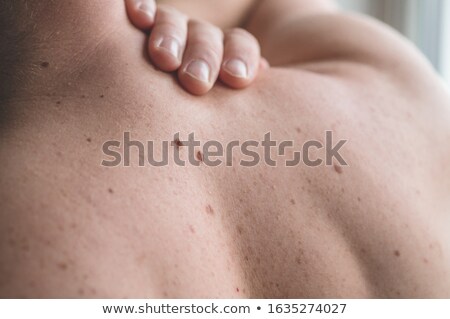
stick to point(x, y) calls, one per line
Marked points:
point(241, 60)
point(141, 13)
point(168, 39)
point(202, 58)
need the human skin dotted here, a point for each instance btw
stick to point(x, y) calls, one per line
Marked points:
point(72, 228)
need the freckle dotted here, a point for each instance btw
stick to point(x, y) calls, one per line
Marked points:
point(45, 64)
point(425, 261)
point(62, 266)
point(299, 130)
point(309, 180)
point(110, 190)
point(363, 251)
point(298, 260)
point(246, 258)
point(293, 201)
point(58, 102)
point(165, 294)
point(93, 291)
point(338, 169)
point(89, 139)
point(83, 96)
point(192, 229)
point(178, 143)
point(359, 199)
point(239, 230)
point(237, 289)
point(102, 96)
point(200, 156)
point(81, 292)
point(73, 225)
point(209, 210)
point(397, 253)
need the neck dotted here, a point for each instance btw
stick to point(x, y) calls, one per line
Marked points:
point(42, 42)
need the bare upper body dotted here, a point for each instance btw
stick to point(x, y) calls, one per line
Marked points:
point(72, 228)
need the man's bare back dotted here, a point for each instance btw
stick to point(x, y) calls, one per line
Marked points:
point(377, 228)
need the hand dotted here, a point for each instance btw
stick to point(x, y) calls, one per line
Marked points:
point(200, 52)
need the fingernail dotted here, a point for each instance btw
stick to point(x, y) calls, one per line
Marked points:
point(146, 9)
point(171, 45)
point(237, 68)
point(199, 70)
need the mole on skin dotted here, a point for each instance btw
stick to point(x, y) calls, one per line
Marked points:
point(209, 210)
point(338, 169)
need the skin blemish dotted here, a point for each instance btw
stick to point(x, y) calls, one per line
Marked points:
point(397, 253)
point(293, 201)
point(58, 102)
point(45, 65)
point(63, 266)
point(177, 143)
point(338, 169)
point(299, 130)
point(89, 140)
point(192, 229)
point(237, 290)
point(239, 230)
point(81, 292)
point(425, 261)
point(200, 156)
point(110, 190)
point(359, 199)
point(83, 96)
point(102, 96)
point(209, 210)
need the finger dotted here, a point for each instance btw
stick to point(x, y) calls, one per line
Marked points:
point(141, 13)
point(202, 58)
point(242, 59)
point(168, 39)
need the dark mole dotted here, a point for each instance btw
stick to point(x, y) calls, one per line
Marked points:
point(237, 289)
point(83, 96)
point(102, 96)
point(200, 156)
point(239, 230)
point(62, 266)
point(58, 102)
point(209, 210)
point(110, 190)
point(45, 64)
point(89, 140)
point(338, 169)
point(177, 143)
point(397, 253)
point(293, 201)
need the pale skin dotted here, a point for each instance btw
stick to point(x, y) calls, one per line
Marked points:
point(71, 228)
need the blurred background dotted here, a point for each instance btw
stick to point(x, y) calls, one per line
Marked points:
point(424, 22)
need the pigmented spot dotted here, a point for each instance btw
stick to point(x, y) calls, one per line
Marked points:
point(239, 229)
point(237, 290)
point(298, 260)
point(63, 266)
point(192, 229)
point(81, 292)
point(338, 169)
point(58, 102)
point(177, 143)
point(102, 96)
point(200, 156)
point(209, 210)
point(110, 190)
point(397, 253)
point(293, 201)
point(425, 260)
point(45, 65)
point(359, 199)
point(89, 140)
point(299, 130)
